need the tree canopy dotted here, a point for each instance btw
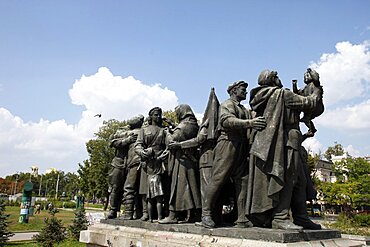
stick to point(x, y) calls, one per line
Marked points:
point(335, 150)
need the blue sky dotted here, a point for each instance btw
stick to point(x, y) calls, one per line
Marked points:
point(62, 62)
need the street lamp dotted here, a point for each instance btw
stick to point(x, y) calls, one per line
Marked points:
point(57, 187)
point(16, 181)
point(40, 185)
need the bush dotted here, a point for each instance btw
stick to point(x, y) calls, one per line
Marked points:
point(80, 223)
point(13, 203)
point(362, 219)
point(69, 205)
point(64, 204)
point(53, 232)
point(4, 233)
point(352, 224)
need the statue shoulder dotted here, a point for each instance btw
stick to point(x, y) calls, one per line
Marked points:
point(229, 103)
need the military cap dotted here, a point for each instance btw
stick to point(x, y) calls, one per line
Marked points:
point(236, 84)
point(155, 109)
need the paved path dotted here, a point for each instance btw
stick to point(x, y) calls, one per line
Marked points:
point(22, 236)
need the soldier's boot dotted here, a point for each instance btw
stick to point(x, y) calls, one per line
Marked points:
point(305, 222)
point(114, 203)
point(208, 222)
point(112, 214)
point(129, 212)
point(145, 216)
point(282, 221)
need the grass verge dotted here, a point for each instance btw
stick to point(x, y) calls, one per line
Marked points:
point(36, 222)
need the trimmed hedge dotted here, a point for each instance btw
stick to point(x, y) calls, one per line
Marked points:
point(362, 219)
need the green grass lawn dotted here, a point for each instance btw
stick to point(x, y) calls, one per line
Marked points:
point(36, 222)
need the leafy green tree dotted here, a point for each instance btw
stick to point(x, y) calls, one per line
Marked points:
point(169, 116)
point(4, 233)
point(53, 232)
point(70, 184)
point(94, 171)
point(354, 175)
point(335, 150)
point(352, 187)
point(84, 178)
point(312, 161)
point(79, 223)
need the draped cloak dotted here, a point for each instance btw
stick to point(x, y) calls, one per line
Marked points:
point(267, 161)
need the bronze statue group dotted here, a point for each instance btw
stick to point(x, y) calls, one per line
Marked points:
point(241, 167)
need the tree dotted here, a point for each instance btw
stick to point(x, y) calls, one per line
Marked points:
point(79, 223)
point(6, 186)
point(84, 175)
point(4, 233)
point(53, 231)
point(354, 175)
point(335, 150)
point(352, 186)
point(70, 184)
point(312, 161)
point(94, 171)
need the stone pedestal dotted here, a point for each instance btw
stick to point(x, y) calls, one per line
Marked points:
point(143, 234)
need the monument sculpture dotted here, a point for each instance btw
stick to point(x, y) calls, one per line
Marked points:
point(313, 88)
point(117, 174)
point(231, 153)
point(205, 140)
point(258, 151)
point(183, 168)
point(151, 148)
point(130, 188)
point(277, 181)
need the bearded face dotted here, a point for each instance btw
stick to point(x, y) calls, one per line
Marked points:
point(274, 79)
point(307, 78)
point(240, 92)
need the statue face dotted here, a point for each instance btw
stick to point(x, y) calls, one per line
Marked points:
point(307, 78)
point(274, 79)
point(241, 92)
point(156, 117)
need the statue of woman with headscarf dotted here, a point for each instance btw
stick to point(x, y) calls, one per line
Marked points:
point(183, 168)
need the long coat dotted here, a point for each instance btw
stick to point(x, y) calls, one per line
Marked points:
point(183, 164)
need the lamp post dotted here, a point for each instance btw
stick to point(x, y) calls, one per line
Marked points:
point(16, 182)
point(40, 185)
point(57, 187)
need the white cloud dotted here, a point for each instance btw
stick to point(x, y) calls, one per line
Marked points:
point(117, 97)
point(345, 74)
point(354, 118)
point(312, 145)
point(43, 144)
point(59, 144)
point(352, 151)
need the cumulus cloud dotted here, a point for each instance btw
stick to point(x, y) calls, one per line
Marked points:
point(352, 151)
point(313, 145)
point(44, 144)
point(345, 74)
point(355, 118)
point(59, 144)
point(117, 97)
